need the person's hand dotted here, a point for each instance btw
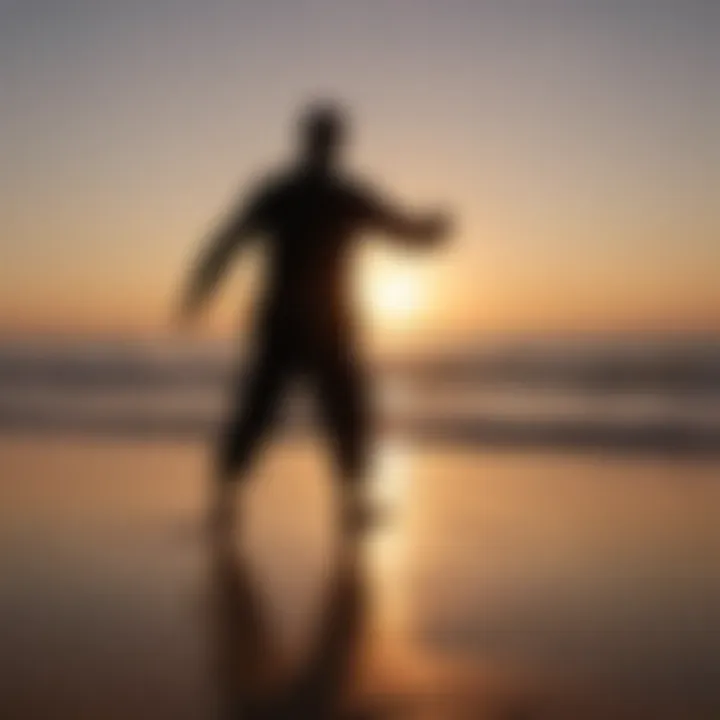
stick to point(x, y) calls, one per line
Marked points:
point(438, 226)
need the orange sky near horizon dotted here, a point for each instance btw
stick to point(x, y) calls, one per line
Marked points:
point(578, 150)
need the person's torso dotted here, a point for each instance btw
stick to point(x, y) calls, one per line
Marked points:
point(311, 222)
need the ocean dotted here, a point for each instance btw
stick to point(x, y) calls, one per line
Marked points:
point(653, 395)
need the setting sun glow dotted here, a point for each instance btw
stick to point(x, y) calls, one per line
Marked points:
point(393, 292)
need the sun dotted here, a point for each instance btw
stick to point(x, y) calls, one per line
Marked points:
point(397, 297)
point(392, 291)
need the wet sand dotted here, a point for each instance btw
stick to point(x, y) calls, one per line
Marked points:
point(502, 585)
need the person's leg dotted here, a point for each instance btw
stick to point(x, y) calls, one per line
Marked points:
point(345, 406)
point(257, 395)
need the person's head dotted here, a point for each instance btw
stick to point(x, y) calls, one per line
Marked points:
point(323, 128)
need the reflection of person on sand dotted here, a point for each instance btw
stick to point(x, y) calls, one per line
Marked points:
point(255, 683)
point(245, 666)
point(310, 216)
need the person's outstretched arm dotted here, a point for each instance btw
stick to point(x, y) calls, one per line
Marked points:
point(421, 229)
point(215, 258)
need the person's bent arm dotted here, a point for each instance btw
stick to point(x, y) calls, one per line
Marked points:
point(416, 229)
point(422, 230)
point(215, 258)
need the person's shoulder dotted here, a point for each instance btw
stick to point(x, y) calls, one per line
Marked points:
point(352, 183)
point(363, 195)
point(273, 183)
point(357, 188)
point(270, 192)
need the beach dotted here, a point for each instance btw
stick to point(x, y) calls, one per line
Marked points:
point(500, 584)
point(464, 254)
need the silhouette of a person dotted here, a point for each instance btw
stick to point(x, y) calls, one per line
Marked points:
point(310, 217)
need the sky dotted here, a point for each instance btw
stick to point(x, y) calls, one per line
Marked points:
point(575, 142)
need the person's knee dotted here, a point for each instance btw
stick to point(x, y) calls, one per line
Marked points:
point(353, 456)
point(233, 455)
point(228, 463)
